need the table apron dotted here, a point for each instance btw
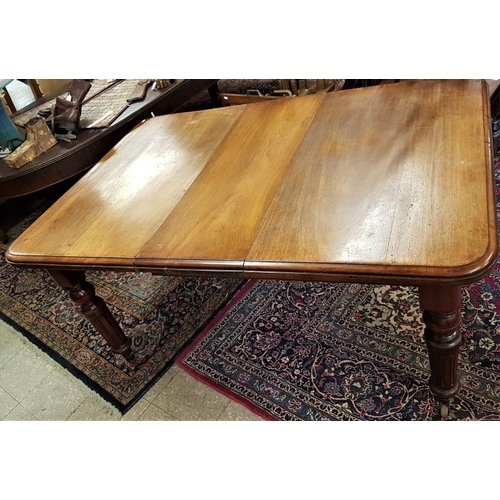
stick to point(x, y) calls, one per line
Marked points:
point(362, 278)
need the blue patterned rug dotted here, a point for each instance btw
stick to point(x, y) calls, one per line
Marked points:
point(335, 351)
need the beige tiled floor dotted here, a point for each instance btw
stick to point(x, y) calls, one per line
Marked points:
point(34, 387)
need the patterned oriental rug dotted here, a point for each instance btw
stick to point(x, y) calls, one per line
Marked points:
point(161, 314)
point(334, 351)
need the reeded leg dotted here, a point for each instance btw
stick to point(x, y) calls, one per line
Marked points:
point(441, 311)
point(82, 293)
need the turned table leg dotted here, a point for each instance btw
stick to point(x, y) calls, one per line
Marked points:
point(441, 313)
point(93, 307)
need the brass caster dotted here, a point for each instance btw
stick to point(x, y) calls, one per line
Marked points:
point(444, 409)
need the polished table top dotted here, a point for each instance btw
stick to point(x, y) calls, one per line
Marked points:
point(391, 183)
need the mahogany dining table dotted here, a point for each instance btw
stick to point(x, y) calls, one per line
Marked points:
point(390, 184)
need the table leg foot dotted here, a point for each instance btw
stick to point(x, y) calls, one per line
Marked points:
point(444, 408)
point(441, 313)
point(93, 307)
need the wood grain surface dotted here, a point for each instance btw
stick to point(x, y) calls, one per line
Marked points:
point(399, 179)
point(231, 195)
point(108, 216)
point(390, 183)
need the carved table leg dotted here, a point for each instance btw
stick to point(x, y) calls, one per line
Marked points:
point(441, 312)
point(82, 293)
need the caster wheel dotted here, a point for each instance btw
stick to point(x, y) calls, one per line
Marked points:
point(444, 409)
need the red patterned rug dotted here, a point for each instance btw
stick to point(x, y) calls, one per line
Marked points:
point(335, 351)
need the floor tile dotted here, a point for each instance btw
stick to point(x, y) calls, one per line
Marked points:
point(152, 412)
point(159, 386)
point(11, 343)
point(19, 413)
point(136, 411)
point(94, 408)
point(56, 398)
point(236, 411)
point(186, 398)
point(46, 391)
point(7, 403)
point(21, 374)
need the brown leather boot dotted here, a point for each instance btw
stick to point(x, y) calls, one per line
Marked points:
point(68, 108)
